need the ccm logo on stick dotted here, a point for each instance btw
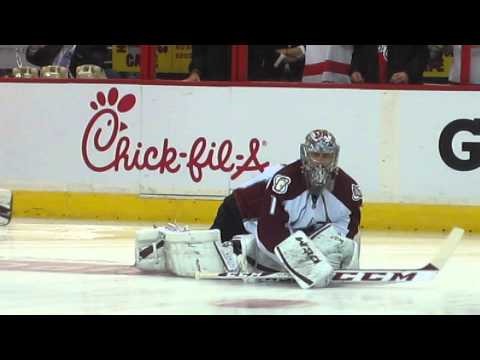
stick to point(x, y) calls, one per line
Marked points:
point(374, 276)
point(446, 140)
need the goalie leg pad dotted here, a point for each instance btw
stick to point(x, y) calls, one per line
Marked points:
point(353, 261)
point(304, 261)
point(188, 252)
point(250, 258)
point(342, 252)
point(149, 250)
point(185, 252)
point(245, 246)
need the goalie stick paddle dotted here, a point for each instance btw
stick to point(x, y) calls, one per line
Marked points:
point(428, 272)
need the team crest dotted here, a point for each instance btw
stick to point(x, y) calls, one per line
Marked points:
point(280, 184)
point(356, 193)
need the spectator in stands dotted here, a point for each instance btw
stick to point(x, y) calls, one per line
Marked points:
point(210, 62)
point(435, 61)
point(276, 62)
point(327, 63)
point(455, 70)
point(69, 56)
point(397, 64)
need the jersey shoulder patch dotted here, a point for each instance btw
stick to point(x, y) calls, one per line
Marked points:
point(356, 193)
point(280, 184)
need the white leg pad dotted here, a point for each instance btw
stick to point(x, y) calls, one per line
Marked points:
point(342, 252)
point(353, 262)
point(184, 252)
point(149, 243)
point(249, 249)
point(190, 251)
point(259, 261)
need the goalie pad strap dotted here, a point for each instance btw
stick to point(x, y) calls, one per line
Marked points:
point(148, 250)
point(5, 212)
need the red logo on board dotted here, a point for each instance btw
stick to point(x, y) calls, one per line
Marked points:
point(106, 146)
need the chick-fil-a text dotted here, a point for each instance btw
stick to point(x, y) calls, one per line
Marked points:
point(103, 139)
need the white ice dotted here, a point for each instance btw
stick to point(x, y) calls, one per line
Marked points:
point(30, 291)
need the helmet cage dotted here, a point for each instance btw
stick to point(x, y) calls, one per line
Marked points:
point(318, 174)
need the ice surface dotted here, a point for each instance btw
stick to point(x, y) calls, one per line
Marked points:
point(32, 288)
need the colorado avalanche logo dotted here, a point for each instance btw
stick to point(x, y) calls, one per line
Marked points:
point(356, 193)
point(280, 184)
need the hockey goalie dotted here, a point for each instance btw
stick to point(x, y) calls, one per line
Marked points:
point(302, 218)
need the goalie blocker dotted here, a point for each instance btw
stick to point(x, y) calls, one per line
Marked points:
point(185, 252)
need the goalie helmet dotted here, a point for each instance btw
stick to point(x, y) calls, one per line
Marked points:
point(319, 156)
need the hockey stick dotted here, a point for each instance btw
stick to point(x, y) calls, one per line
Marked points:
point(427, 272)
point(343, 276)
point(6, 201)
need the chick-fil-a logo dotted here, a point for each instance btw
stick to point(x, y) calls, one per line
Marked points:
point(106, 147)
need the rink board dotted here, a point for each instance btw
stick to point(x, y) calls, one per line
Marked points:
point(149, 152)
point(389, 216)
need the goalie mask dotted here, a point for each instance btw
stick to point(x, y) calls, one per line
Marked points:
point(319, 156)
